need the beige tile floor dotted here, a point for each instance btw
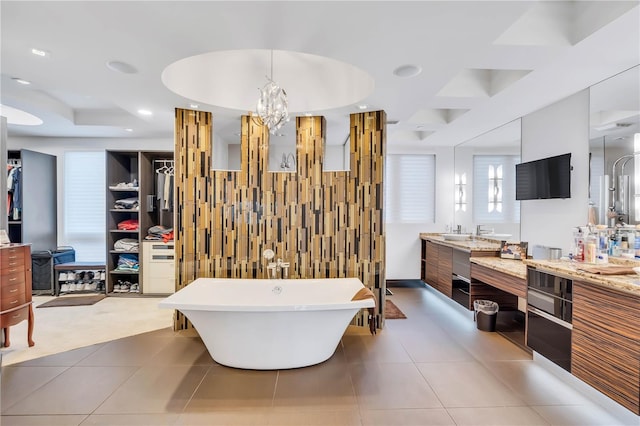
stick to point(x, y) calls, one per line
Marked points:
point(433, 368)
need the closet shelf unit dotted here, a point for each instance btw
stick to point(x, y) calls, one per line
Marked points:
point(131, 181)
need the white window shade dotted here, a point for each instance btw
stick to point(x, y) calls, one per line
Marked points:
point(410, 188)
point(84, 204)
point(494, 189)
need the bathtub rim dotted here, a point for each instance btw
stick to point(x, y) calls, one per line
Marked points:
point(167, 303)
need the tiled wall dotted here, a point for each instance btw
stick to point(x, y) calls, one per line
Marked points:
point(326, 224)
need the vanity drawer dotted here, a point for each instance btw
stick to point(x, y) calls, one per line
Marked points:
point(14, 317)
point(12, 276)
point(12, 301)
point(10, 289)
point(12, 258)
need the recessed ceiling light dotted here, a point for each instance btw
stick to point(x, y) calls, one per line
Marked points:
point(128, 130)
point(194, 106)
point(307, 114)
point(144, 112)
point(122, 67)
point(40, 52)
point(406, 71)
point(21, 81)
point(363, 106)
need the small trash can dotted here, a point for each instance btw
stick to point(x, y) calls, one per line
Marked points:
point(486, 313)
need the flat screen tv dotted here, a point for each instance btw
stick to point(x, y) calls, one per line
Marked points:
point(544, 178)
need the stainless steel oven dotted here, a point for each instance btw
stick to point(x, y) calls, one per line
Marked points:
point(549, 311)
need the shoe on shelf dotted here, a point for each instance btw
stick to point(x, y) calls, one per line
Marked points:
point(62, 276)
point(64, 288)
point(103, 275)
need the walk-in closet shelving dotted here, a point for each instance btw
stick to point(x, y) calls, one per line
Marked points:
point(132, 209)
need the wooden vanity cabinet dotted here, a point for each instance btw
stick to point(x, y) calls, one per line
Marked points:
point(605, 344)
point(431, 263)
point(15, 289)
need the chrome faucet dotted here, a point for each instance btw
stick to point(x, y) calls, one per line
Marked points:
point(481, 231)
point(278, 269)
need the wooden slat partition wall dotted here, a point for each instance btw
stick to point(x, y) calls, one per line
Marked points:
point(326, 224)
point(605, 343)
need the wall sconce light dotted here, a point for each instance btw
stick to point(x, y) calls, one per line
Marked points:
point(495, 188)
point(460, 195)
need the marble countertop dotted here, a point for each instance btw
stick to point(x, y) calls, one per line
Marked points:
point(515, 268)
point(474, 244)
point(624, 283)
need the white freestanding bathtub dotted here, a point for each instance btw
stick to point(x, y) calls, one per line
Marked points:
point(264, 324)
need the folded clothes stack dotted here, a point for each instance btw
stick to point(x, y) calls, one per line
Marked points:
point(127, 204)
point(126, 244)
point(159, 233)
point(128, 225)
point(128, 262)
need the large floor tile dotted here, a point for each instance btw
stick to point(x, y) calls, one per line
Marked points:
point(322, 416)
point(155, 390)
point(44, 420)
point(18, 382)
point(421, 416)
point(241, 417)
point(435, 347)
point(130, 420)
point(381, 348)
point(467, 384)
point(325, 385)
point(129, 351)
point(535, 385)
point(388, 386)
point(228, 388)
point(182, 351)
point(78, 390)
point(68, 359)
point(497, 416)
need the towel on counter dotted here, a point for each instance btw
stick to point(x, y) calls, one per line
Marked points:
point(365, 293)
point(607, 269)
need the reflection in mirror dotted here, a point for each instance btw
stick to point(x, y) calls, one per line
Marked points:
point(615, 125)
point(282, 148)
point(225, 144)
point(484, 199)
point(337, 149)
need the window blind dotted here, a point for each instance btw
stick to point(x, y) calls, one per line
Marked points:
point(84, 204)
point(483, 210)
point(410, 188)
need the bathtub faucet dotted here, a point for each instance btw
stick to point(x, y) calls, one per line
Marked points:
point(278, 269)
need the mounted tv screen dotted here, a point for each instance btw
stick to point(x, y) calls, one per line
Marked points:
point(545, 178)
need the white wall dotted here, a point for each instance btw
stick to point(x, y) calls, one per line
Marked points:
point(557, 129)
point(403, 240)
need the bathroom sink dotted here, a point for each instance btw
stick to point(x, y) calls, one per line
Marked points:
point(456, 237)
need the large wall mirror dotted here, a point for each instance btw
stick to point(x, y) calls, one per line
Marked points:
point(484, 193)
point(614, 146)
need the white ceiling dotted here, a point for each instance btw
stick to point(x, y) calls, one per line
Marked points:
point(483, 63)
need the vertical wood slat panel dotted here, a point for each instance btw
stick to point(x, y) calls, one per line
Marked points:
point(327, 224)
point(605, 344)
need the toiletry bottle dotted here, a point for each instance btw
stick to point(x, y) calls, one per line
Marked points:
point(590, 249)
point(637, 244)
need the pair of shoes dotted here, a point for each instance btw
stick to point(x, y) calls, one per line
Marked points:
point(135, 288)
point(64, 288)
point(62, 276)
point(103, 275)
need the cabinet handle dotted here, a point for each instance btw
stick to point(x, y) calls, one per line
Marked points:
point(13, 279)
point(16, 316)
point(13, 290)
point(13, 270)
point(13, 257)
point(13, 302)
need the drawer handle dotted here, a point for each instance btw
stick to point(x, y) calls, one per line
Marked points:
point(14, 302)
point(13, 279)
point(13, 270)
point(13, 257)
point(16, 316)
point(13, 290)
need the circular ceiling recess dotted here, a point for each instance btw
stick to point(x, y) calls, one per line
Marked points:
point(407, 71)
point(232, 79)
point(18, 116)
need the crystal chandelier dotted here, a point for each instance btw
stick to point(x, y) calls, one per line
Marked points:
point(272, 105)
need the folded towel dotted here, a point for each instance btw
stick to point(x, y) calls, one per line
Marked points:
point(607, 269)
point(365, 293)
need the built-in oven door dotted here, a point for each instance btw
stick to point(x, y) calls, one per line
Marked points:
point(549, 336)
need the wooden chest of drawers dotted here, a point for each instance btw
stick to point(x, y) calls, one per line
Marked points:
point(15, 289)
